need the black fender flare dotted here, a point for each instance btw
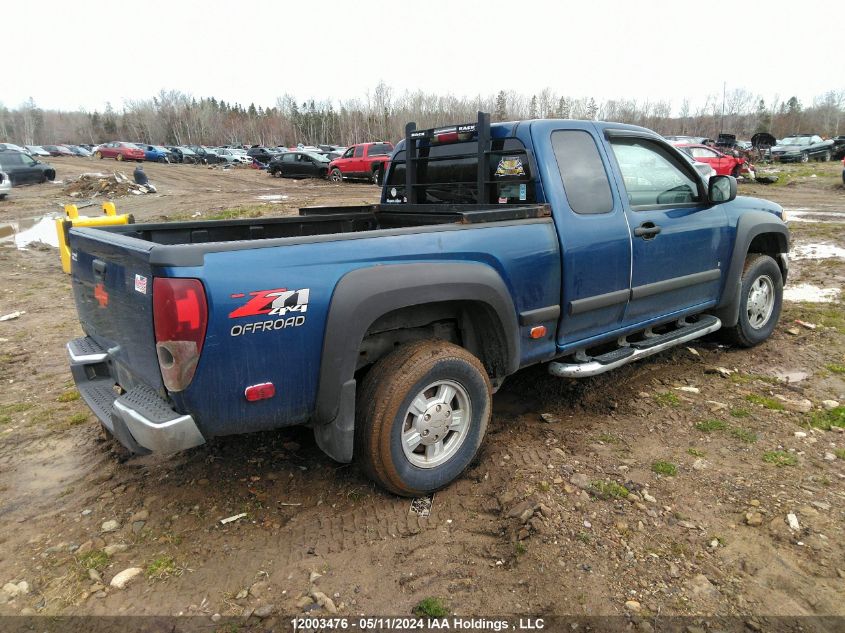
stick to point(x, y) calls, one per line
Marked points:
point(361, 297)
point(749, 226)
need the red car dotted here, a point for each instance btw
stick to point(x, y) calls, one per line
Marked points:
point(366, 161)
point(119, 150)
point(724, 164)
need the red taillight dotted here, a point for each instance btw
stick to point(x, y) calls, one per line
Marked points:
point(180, 316)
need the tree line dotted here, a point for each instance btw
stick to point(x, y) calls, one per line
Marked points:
point(173, 117)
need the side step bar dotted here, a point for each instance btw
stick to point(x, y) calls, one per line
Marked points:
point(634, 351)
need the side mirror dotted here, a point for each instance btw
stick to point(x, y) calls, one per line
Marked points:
point(721, 189)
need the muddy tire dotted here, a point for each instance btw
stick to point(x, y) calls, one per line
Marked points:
point(421, 414)
point(336, 176)
point(98, 155)
point(119, 157)
point(760, 301)
point(377, 176)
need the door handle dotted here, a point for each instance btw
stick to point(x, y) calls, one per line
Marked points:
point(99, 268)
point(647, 230)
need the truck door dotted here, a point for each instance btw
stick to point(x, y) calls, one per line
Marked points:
point(679, 241)
point(592, 229)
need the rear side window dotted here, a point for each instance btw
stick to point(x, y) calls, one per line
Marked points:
point(10, 158)
point(582, 172)
point(379, 149)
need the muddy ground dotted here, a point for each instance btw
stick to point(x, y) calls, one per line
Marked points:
point(661, 488)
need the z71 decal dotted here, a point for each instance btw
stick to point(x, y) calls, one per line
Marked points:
point(289, 305)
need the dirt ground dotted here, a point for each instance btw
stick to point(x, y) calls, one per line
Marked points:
point(666, 487)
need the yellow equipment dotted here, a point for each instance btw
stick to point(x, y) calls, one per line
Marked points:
point(63, 226)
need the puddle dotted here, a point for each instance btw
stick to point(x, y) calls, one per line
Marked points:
point(810, 293)
point(23, 233)
point(791, 376)
point(817, 251)
point(806, 214)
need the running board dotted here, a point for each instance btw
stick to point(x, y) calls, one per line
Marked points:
point(653, 344)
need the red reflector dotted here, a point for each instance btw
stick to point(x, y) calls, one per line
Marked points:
point(538, 331)
point(263, 391)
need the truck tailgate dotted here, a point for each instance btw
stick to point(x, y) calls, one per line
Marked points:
point(112, 287)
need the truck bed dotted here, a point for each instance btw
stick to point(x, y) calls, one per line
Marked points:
point(324, 221)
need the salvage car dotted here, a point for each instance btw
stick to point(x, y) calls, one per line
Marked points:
point(364, 161)
point(156, 153)
point(16, 148)
point(36, 150)
point(723, 164)
point(299, 165)
point(120, 150)
point(58, 150)
point(802, 147)
point(23, 168)
point(183, 154)
point(263, 154)
point(387, 328)
point(5, 185)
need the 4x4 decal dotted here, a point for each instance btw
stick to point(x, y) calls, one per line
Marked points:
point(279, 301)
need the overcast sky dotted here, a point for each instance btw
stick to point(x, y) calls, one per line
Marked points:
point(73, 54)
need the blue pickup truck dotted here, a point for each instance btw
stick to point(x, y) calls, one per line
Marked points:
point(387, 328)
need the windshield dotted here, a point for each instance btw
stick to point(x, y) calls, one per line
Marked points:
point(796, 140)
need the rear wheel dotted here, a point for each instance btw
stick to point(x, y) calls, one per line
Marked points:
point(827, 156)
point(735, 171)
point(119, 157)
point(805, 157)
point(336, 175)
point(761, 298)
point(98, 155)
point(421, 415)
point(377, 176)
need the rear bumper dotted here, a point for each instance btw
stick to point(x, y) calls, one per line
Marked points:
point(139, 418)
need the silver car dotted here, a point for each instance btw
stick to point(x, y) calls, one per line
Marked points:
point(5, 185)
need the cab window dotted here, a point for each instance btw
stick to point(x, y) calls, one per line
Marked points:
point(359, 151)
point(653, 176)
point(582, 172)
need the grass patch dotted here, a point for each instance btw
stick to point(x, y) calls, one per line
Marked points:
point(5, 418)
point(667, 399)
point(826, 419)
point(248, 211)
point(95, 559)
point(836, 368)
point(830, 315)
point(708, 426)
point(695, 452)
point(780, 458)
point(839, 452)
point(68, 396)
point(744, 435)
point(610, 490)
point(607, 438)
point(739, 413)
point(584, 537)
point(431, 608)
point(520, 548)
point(161, 567)
point(77, 418)
point(664, 468)
point(765, 401)
point(16, 407)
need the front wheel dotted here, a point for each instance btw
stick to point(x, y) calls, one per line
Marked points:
point(119, 157)
point(421, 415)
point(98, 155)
point(827, 156)
point(805, 157)
point(336, 175)
point(760, 302)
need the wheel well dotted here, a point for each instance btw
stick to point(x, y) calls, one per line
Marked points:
point(771, 244)
point(473, 325)
point(377, 166)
